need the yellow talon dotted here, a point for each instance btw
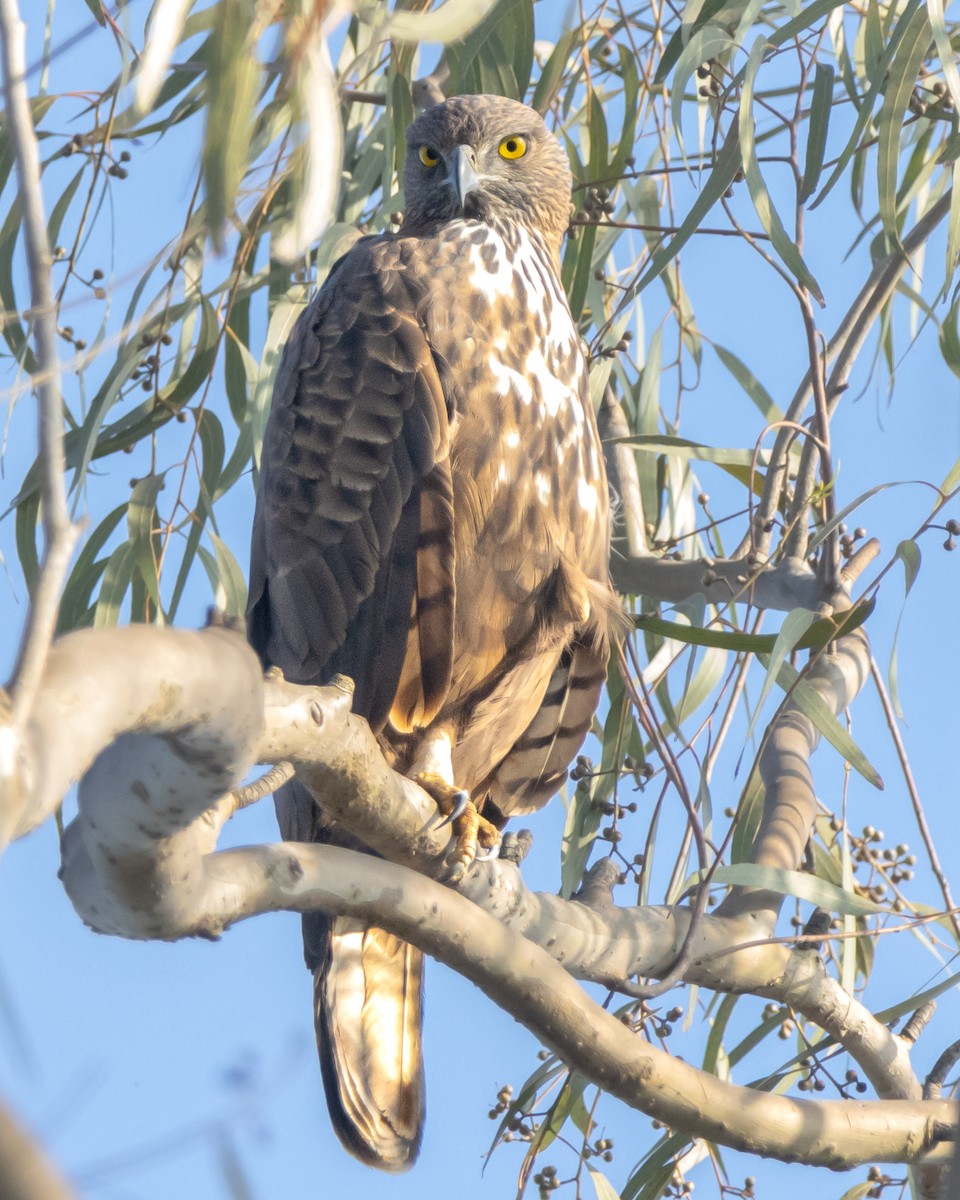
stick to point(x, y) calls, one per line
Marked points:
point(472, 831)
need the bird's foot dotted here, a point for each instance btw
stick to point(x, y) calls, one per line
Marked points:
point(473, 832)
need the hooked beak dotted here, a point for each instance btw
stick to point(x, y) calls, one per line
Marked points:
point(463, 173)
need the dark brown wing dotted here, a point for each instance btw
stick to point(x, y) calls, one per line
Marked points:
point(352, 571)
point(354, 455)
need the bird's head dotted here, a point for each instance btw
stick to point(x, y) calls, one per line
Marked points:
point(486, 158)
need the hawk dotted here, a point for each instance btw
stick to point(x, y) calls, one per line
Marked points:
point(433, 521)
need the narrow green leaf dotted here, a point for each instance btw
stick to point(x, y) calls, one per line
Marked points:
point(282, 321)
point(821, 631)
point(910, 1004)
point(62, 206)
point(190, 551)
point(239, 365)
point(602, 1186)
point(116, 581)
point(698, 688)
point(648, 1180)
point(226, 579)
point(481, 58)
point(96, 7)
point(945, 50)
point(553, 71)
point(28, 512)
point(450, 20)
point(179, 389)
point(952, 480)
point(904, 71)
point(767, 1025)
point(749, 815)
point(599, 142)
point(86, 573)
point(953, 221)
point(141, 524)
point(718, 1027)
point(762, 201)
point(232, 82)
point(695, 17)
point(720, 178)
point(950, 338)
point(545, 1074)
point(559, 1111)
point(847, 509)
point(821, 106)
point(579, 833)
point(789, 883)
point(709, 42)
point(909, 554)
point(809, 15)
point(401, 114)
point(517, 34)
point(770, 411)
point(815, 708)
point(584, 271)
point(866, 103)
point(859, 1190)
point(631, 112)
point(239, 461)
point(684, 448)
point(13, 332)
point(212, 447)
point(795, 625)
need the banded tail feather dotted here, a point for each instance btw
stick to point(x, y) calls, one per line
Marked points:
point(368, 1004)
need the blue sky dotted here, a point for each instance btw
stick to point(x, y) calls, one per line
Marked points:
point(153, 1070)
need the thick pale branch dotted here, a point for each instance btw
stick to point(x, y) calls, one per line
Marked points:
point(784, 585)
point(25, 1173)
point(100, 683)
point(139, 862)
point(526, 982)
point(790, 803)
point(158, 845)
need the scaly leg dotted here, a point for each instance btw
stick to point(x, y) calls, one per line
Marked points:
point(433, 770)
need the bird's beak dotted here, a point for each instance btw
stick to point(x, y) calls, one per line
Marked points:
point(463, 172)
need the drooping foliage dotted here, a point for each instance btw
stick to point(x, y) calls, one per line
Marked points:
point(743, 173)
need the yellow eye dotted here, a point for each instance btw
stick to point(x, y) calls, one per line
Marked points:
point(428, 156)
point(513, 147)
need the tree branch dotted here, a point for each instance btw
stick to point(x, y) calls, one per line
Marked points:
point(785, 585)
point(60, 534)
point(24, 1169)
point(186, 717)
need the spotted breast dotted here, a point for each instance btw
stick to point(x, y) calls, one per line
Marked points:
point(532, 530)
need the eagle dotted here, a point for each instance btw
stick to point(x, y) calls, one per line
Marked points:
point(433, 522)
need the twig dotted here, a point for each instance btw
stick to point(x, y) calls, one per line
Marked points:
point(913, 792)
point(941, 1068)
point(609, 223)
point(847, 342)
point(918, 1022)
point(58, 531)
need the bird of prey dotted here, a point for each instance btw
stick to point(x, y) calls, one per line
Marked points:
point(433, 522)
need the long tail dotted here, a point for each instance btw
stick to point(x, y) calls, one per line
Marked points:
point(368, 995)
point(368, 1011)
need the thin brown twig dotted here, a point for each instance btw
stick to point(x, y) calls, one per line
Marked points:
point(59, 532)
point(609, 223)
point(914, 794)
